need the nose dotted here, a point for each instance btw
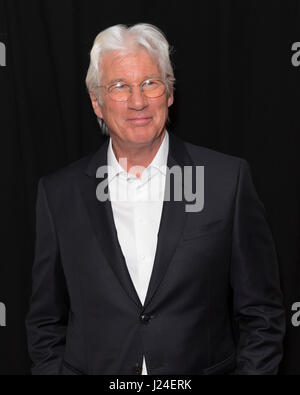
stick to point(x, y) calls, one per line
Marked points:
point(137, 100)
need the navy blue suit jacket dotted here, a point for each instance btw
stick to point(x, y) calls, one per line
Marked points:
point(213, 305)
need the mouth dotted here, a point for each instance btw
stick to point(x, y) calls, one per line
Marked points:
point(140, 121)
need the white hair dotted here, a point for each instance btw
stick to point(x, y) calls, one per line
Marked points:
point(123, 38)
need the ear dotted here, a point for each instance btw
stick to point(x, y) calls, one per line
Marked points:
point(96, 106)
point(170, 100)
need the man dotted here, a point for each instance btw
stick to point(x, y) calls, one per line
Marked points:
point(150, 284)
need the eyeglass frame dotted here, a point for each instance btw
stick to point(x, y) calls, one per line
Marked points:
point(131, 86)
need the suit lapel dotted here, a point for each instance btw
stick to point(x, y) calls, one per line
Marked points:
point(172, 219)
point(101, 217)
point(171, 225)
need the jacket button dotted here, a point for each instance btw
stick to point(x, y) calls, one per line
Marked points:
point(137, 369)
point(145, 318)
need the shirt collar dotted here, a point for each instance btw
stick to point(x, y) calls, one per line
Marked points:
point(159, 161)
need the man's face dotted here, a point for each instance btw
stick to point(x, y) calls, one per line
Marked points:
point(140, 120)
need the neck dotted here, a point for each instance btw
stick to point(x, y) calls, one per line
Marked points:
point(138, 156)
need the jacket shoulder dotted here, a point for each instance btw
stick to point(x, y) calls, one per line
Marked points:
point(218, 166)
point(68, 173)
point(207, 156)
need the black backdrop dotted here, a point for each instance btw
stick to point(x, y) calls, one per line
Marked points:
point(237, 92)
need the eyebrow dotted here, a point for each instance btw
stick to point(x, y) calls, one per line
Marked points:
point(150, 76)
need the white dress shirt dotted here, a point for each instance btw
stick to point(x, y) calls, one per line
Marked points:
point(137, 207)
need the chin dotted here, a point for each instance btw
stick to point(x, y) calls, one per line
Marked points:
point(141, 136)
point(144, 135)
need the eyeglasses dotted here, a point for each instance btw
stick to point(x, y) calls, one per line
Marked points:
point(119, 91)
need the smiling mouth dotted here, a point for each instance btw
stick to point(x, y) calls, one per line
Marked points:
point(140, 121)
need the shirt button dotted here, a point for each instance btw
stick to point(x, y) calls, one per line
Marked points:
point(145, 318)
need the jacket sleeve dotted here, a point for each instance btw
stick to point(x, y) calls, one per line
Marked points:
point(47, 318)
point(257, 299)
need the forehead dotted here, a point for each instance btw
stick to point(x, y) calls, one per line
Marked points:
point(132, 66)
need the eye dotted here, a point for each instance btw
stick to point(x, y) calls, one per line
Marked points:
point(149, 83)
point(119, 86)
